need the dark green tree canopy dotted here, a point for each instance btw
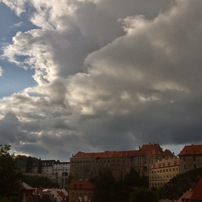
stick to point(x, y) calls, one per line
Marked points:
point(9, 173)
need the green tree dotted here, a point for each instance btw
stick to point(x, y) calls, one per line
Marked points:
point(143, 195)
point(39, 181)
point(106, 187)
point(9, 174)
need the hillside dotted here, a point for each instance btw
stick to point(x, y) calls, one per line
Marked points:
point(181, 183)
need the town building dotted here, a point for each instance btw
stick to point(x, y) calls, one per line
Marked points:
point(50, 195)
point(147, 155)
point(61, 170)
point(47, 166)
point(119, 163)
point(81, 190)
point(26, 192)
point(190, 158)
point(163, 171)
point(54, 170)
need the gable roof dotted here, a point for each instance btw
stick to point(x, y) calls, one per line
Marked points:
point(151, 149)
point(186, 195)
point(25, 186)
point(82, 184)
point(191, 150)
point(165, 163)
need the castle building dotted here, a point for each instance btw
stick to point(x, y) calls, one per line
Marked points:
point(119, 163)
point(190, 158)
point(162, 171)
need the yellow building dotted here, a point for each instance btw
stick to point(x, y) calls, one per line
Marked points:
point(163, 171)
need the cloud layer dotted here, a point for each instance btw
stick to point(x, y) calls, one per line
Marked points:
point(110, 75)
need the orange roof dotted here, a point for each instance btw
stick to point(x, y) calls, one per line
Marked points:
point(150, 149)
point(168, 153)
point(81, 184)
point(191, 150)
point(106, 154)
point(186, 195)
point(165, 163)
point(197, 193)
point(61, 193)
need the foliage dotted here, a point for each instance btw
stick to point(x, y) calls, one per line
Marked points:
point(38, 181)
point(108, 189)
point(143, 195)
point(9, 174)
point(68, 182)
point(28, 162)
point(180, 184)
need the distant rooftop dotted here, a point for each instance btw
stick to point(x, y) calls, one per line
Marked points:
point(165, 163)
point(82, 184)
point(191, 150)
point(150, 149)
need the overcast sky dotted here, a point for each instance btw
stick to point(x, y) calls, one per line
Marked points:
point(96, 75)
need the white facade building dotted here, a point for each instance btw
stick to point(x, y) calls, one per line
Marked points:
point(61, 170)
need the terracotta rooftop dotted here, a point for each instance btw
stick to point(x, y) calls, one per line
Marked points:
point(186, 196)
point(168, 153)
point(191, 150)
point(197, 193)
point(194, 194)
point(150, 149)
point(106, 154)
point(165, 163)
point(81, 184)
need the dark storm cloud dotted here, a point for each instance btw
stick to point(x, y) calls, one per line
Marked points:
point(10, 129)
point(110, 74)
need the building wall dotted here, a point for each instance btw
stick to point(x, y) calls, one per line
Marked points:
point(142, 163)
point(189, 162)
point(119, 163)
point(81, 191)
point(190, 157)
point(61, 170)
point(87, 168)
point(81, 195)
point(163, 171)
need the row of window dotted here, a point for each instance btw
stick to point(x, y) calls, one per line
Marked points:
point(158, 177)
point(157, 184)
point(99, 161)
point(164, 170)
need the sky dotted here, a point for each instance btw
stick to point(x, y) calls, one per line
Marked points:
point(96, 75)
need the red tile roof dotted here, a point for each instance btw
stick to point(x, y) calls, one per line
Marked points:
point(81, 184)
point(191, 150)
point(168, 153)
point(150, 149)
point(186, 196)
point(165, 163)
point(106, 154)
point(197, 191)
